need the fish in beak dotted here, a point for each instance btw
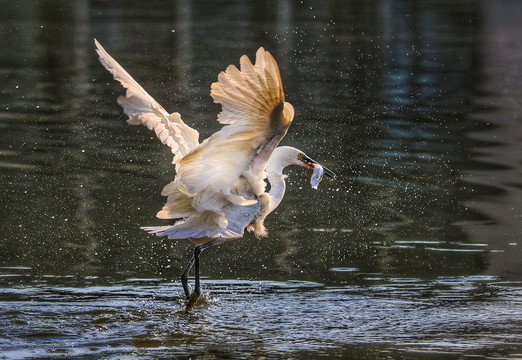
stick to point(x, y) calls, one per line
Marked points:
point(319, 170)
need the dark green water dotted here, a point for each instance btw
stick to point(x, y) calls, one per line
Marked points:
point(414, 253)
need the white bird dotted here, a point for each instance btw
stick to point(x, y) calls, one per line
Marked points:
point(219, 189)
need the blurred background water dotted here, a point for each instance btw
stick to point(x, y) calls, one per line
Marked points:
point(414, 252)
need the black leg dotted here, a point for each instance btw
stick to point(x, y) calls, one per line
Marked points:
point(195, 260)
point(197, 252)
point(184, 278)
point(191, 300)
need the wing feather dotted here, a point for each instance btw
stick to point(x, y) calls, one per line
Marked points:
point(248, 72)
point(256, 118)
point(217, 189)
point(142, 109)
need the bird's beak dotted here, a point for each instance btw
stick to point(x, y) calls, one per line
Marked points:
point(310, 163)
point(329, 173)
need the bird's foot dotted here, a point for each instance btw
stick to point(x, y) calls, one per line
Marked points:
point(193, 298)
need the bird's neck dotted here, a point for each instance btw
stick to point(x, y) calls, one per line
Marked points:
point(280, 158)
point(277, 189)
point(274, 174)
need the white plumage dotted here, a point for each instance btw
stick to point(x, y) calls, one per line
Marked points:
point(219, 187)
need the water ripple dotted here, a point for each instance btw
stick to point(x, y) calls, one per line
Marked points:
point(143, 316)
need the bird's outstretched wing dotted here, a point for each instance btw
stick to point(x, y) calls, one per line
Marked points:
point(218, 183)
point(143, 109)
point(256, 118)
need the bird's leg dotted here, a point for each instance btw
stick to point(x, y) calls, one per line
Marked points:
point(191, 300)
point(195, 260)
point(184, 278)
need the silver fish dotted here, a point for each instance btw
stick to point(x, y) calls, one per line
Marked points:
point(317, 176)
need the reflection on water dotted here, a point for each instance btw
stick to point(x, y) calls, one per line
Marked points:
point(414, 249)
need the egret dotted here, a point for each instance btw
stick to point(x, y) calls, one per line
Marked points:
point(219, 189)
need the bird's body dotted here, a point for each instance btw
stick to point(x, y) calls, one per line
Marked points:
point(219, 189)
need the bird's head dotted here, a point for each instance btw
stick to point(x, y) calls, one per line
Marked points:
point(286, 155)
